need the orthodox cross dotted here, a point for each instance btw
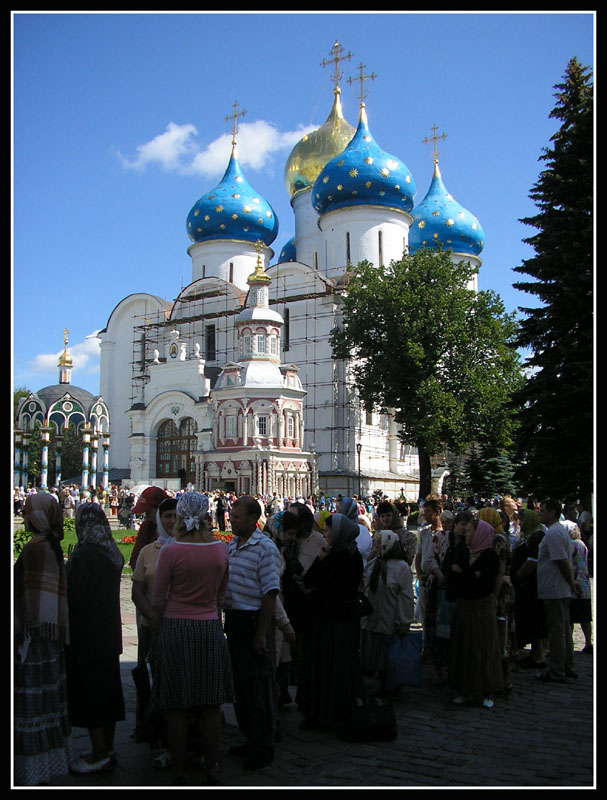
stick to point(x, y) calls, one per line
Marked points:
point(361, 79)
point(65, 333)
point(336, 51)
point(434, 139)
point(234, 116)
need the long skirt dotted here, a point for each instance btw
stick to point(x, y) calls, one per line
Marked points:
point(330, 679)
point(190, 665)
point(475, 664)
point(41, 723)
point(95, 697)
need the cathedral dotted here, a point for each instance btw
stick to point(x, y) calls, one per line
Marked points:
point(233, 384)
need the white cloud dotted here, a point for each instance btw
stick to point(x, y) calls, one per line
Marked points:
point(176, 149)
point(85, 357)
point(168, 149)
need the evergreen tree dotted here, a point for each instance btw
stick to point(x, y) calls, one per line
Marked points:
point(555, 441)
point(424, 346)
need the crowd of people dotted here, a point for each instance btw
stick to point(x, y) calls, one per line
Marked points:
point(295, 605)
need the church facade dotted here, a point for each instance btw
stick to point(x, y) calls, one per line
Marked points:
point(233, 385)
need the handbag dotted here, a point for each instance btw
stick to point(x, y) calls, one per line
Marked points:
point(403, 660)
point(370, 721)
point(363, 606)
point(444, 615)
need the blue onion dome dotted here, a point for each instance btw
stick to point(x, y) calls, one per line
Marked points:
point(440, 221)
point(233, 210)
point(313, 151)
point(288, 252)
point(363, 174)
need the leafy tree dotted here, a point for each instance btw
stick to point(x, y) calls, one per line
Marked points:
point(425, 347)
point(555, 441)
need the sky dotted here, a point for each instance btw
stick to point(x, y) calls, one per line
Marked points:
point(119, 127)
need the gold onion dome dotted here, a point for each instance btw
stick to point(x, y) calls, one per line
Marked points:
point(316, 149)
point(65, 359)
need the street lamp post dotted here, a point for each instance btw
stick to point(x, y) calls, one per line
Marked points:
point(359, 447)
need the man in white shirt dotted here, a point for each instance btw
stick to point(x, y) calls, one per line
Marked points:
point(555, 588)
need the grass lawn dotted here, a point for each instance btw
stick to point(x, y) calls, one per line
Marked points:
point(69, 541)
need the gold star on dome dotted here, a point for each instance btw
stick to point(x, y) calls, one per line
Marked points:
point(368, 160)
point(197, 212)
point(449, 222)
point(436, 213)
point(325, 179)
point(234, 216)
point(392, 164)
point(206, 218)
point(408, 179)
point(247, 209)
point(368, 184)
point(340, 163)
point(421, 224)
point(219, 209)
point(353, 173)
point(340, 187)
point(269, 214)
point(236, 196)
point(384, 172)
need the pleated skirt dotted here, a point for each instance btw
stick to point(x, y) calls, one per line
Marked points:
point(191, 665)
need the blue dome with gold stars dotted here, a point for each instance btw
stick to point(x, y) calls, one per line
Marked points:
point(233, 210)
point(440, 221)
point(288, 252)
point(363, 174)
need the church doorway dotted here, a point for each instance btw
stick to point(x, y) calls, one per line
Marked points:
point(175, 450)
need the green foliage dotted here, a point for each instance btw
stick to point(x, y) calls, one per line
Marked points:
point(556, 438)
point(426, 347)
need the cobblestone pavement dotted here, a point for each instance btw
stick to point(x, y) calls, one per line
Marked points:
point(539, 735)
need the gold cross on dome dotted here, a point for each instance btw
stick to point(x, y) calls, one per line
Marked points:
point(65, 333)
point(361, 79)
point(434, 139)
point(234, 116)
point(336, 51)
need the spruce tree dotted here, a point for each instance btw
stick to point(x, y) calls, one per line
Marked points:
point(556, 404)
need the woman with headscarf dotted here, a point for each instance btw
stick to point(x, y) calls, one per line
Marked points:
point(330, 677)
point(41, 723)
point(389, 587)
point(191, 664)
point(504, 593)
point(580, 607)
point(388, 518)
point(364, 542)
point(475, 669)
point(95, 698)
point(529, 612)
point(148, 617)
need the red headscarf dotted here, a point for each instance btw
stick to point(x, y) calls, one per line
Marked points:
point(483, 537)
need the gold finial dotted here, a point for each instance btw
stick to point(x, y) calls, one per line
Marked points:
point(65, 333)
point(362, 78)
point(336, 52)
point(434, 139)
point(259, 274)
point(234, 116)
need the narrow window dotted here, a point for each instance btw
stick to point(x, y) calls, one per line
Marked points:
point(348, 260)
point(286, 343)
point(381, 248)
point(231, 277)
point(210, 342)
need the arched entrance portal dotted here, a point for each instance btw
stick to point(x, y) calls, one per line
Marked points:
point(175, 450)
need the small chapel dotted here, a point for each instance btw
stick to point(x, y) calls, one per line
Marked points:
point(233, 385)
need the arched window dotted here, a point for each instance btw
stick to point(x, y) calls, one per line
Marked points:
point(175, 450)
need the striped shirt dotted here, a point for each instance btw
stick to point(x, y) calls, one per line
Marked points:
point(254, 571)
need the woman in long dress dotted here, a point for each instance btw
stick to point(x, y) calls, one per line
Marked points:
point(475, 667)
point(330, 678)
point(41, 723)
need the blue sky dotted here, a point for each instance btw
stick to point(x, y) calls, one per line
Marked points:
point(118, 128)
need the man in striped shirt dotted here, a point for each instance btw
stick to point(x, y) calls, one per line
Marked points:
point(254, 582)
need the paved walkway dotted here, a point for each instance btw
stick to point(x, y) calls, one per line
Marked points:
point(540, 735)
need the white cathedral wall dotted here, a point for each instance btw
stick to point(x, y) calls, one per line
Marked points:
point(362, 233)
point(228, 260)
point(307, 232)
point(115, 375)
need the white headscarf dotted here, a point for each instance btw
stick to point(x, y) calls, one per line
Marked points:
point(192, 507)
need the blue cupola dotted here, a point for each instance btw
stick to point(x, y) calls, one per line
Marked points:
point(440, 221)
point(233, 210)
point(363, 175)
